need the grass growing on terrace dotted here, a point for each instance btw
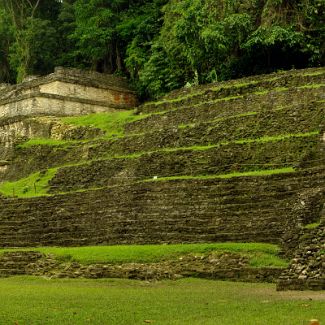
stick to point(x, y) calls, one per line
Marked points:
point(235, 86)
point(312, 225)
point(312, 86)
point(30, 300)
point(46, 142)
point(34, 185)
point(111, 123)
point(315, 73)
point(263, 139)
point(260, 254)
point(263, 172)
point(278, 137)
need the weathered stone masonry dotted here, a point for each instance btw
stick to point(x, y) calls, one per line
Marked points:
point(66, 92)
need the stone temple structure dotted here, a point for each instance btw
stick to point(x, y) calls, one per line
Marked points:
point(66, 92)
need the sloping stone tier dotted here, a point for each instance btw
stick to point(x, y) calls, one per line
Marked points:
point(254, 209)
point(222, 160)
point(232, 89)
point(290, 101)
point(297, 119)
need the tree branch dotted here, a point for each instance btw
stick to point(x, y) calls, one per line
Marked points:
point(35, 7)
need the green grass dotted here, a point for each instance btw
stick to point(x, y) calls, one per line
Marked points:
point(279, 137)
point(260, 254)
point(312, 225)
point(46, 142)
point(34, 185)
point(111, 123)
point(38, 301)
point(263, 172)
point(222, 87)
point(313, 86)
point(261, 92)
point(316, 73)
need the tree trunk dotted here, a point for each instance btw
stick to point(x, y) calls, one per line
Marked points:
point(119, 62)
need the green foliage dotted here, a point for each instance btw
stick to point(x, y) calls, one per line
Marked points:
point(32, 47)
point(33, 52)
point(138, 27)
point(94, 31)
point(115, 35)
point(159, 44)
point(6, 38)
point(209, 40)
point(159, 74)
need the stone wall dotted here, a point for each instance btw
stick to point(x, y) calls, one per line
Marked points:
point(252, 209)
point(307, 268)
point(14, 131)
point(66, 92)
point(225, 266)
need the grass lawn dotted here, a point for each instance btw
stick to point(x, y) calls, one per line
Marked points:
point(29, 300)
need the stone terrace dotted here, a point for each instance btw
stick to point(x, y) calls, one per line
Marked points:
point(223, 162)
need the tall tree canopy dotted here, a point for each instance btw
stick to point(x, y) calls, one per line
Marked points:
point(161, 44)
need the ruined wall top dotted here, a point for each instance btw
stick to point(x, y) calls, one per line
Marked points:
point(72, 75)
point(66, 91)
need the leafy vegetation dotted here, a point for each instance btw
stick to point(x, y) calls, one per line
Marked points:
point(29, 300)
point(260, 254)
point(160, 44)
